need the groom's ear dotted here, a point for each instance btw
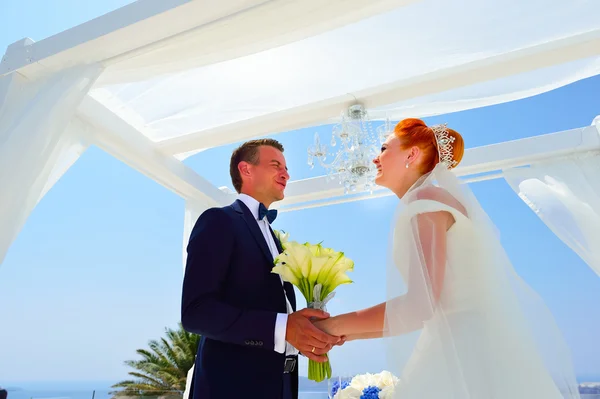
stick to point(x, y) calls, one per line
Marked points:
point(244, 168)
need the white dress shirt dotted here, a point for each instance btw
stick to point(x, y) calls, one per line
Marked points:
point(281, 345)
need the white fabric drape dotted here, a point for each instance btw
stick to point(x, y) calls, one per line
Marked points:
point(484, 333)
point(39, 141)
point(221, 31)
point(71, 154)
point(404, 46)
point(565, 194)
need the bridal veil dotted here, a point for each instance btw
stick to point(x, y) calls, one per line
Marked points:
point(484, 333)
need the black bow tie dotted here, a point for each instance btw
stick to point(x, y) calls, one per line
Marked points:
point(262, 212)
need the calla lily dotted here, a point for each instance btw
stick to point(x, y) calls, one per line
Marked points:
point(336, 281)
point(328, 252)
point(282, 236)
point(288, 264)
point(341, 265)
point(318, 265)
point(315, 271)
point(297, 256)
point(286, 273)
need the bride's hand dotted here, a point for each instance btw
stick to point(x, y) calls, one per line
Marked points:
point(323, 325)
point(326, 325)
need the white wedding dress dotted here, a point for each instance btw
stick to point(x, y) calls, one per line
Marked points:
point(488, 335)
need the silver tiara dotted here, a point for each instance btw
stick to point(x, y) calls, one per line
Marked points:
point(444, 145)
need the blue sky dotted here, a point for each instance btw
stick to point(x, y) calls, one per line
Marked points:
point(96, 271)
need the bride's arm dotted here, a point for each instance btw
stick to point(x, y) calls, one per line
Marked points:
point(424, 289)
point(370, 335)
point(366, 321)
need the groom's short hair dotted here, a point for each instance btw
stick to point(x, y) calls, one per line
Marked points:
point(248, 152)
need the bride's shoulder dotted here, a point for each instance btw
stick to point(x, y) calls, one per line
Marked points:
point(438, 194)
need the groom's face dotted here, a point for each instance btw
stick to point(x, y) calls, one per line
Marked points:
point(269, 176)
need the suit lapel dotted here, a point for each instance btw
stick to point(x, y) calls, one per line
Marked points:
point(277, 243)
point(291, 295)
point(255, 231)
point(288, 287)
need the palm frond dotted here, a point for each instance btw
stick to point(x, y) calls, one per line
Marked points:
point(163, 367)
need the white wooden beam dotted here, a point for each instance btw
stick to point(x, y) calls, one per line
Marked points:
point(544, 55)
point(478, 164)
point(126, 29)
point(123, 141)
point(209, 29)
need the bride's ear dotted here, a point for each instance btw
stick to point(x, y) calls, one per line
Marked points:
point(413, 154)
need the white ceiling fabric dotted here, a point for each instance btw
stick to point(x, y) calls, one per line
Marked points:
point(213, 32)
point(399, 45)
point(492, 92)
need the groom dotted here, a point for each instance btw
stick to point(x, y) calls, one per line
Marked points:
point(251, 331)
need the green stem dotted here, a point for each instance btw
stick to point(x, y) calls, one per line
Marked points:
point(304, 289)
point(319, 371)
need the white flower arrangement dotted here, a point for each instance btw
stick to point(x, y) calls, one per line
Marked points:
point(282, 236)
point(316, 271)
point(370, 386)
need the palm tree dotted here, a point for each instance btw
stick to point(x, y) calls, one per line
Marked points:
point(163, 368)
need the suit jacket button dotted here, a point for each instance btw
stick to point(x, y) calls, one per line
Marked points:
point(247, 342)
point(260, 343)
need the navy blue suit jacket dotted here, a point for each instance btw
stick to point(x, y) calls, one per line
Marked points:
point(231, 298)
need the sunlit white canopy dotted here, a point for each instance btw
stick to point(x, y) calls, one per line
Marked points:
point(158, 80)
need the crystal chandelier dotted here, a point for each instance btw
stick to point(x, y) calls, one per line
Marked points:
point(353, 164)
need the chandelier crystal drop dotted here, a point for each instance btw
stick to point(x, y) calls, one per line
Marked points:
point(352, 163)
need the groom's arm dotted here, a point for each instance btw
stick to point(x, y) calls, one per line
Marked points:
point(202, 310)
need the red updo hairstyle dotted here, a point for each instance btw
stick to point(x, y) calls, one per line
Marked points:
point(414, 132)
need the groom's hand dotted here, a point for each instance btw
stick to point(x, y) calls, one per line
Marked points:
point(308, 339)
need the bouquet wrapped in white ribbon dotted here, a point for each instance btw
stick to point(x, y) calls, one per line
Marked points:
point(316, 271)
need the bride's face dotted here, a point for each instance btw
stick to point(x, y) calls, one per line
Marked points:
point(390, 163)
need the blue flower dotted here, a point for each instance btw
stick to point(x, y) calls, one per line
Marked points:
point(336, 386)
point(370, 392)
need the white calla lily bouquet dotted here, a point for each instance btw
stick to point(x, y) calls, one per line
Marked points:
point(316, 271)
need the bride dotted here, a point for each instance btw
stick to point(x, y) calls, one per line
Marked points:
point(484, 332)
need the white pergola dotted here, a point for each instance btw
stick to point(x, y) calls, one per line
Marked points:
point(159, 80)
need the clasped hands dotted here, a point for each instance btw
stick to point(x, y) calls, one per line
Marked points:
point(303, 335)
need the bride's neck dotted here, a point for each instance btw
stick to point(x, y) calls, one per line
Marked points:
point(406, 184)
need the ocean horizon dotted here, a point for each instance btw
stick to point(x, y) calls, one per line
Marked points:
point(101, 389)
point(95, 390)
point(104, 394)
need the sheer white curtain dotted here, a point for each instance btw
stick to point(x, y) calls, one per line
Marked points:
point(565, 194)
point(246, 67)
point(487, 334)
point(39, 140)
